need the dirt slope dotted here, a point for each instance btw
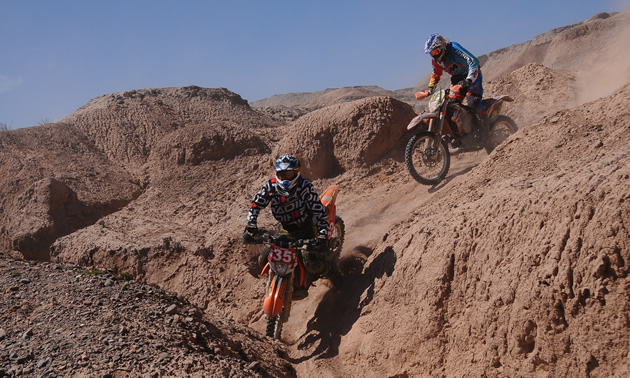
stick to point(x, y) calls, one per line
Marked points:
point(519, 268)
point(184, 231)
point(319, 99)
point(346, 137)
point(515, 265)
point(127, 125)
point(537, 91)
point(54, 182)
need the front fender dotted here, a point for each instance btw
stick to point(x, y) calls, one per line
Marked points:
point(420, 118)
point(274, 300)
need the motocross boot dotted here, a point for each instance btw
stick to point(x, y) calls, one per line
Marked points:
point(472, 101)
point(312, 264)
point(456, 147)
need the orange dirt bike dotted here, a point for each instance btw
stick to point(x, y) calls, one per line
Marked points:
point(428, 156)
point(285, 266)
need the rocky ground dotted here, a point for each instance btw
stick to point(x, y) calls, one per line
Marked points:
point(64, 320)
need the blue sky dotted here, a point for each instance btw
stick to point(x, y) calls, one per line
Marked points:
point(57, 55)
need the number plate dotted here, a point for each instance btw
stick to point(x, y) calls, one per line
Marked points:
point(282, 255)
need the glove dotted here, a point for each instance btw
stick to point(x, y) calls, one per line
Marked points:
point(422, 95)
point(456, 89)
point(252, 228)
point(321, 242)
point(430, 90)
point(247, 238)
point(456, 92)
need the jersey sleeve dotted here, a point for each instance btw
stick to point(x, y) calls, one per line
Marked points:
point(260, 201)
point(436, 74)
point(471, 61)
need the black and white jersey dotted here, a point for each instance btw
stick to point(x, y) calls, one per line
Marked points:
point(295, 211)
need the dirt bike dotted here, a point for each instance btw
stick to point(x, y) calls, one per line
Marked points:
point(286, 269)
point(428, 152)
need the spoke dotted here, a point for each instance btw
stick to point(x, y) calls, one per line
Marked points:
point(427, 163)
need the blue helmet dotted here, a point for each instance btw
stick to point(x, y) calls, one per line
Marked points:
point(287, 173)
point(436, 46)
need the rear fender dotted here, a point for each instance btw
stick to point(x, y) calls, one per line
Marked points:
point(421, 118)
point(330, 196)
point(492, 106)
point(328, 200)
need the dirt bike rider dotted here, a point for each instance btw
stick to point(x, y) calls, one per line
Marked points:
point(461, 65)
point(296, 205)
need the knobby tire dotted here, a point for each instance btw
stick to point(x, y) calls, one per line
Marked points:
point(271, 326)
point(499, 134)
point(414, 145)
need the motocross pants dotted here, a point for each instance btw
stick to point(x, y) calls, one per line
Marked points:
point(472, 94)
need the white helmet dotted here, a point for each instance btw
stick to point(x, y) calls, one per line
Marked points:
point(436, 46)
point(287, 173)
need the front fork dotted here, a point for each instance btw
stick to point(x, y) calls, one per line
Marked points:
point(435, 127)
point(288, 298)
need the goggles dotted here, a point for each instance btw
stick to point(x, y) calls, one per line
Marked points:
point(435, 52)
point(287, 175)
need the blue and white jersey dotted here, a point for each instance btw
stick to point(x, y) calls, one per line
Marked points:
point(458, 61)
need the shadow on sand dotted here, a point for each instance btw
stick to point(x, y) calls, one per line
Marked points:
point(341, 308)
point(449, 178)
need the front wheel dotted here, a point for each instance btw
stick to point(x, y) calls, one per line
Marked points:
point(502, 127)
point(424, 163)
point(274, 327)
point(282, 297)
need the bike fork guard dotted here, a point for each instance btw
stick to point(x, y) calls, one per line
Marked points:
point(436, 144)
point(274, 300)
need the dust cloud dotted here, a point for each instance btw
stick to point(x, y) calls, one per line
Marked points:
point(610, 72)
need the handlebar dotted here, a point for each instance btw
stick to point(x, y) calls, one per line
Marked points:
point(264, 237)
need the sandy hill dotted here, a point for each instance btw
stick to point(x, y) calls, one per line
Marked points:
point(515, 265)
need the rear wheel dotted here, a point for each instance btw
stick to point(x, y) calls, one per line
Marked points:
point(502, 127)
point(427, 165)
point(336, 247)
point(337, 238)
